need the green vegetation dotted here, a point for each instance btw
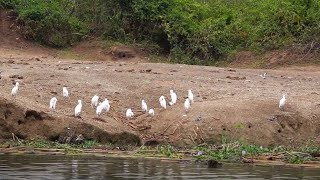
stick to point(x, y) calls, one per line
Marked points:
point(44, 144)
point(160, 151)
point(48, 22)
point(190, 31)
point(227, 151)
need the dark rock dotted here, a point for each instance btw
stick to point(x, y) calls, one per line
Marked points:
point(213, 164)
point(151, 142)
point(54, 92)
point(33, 115)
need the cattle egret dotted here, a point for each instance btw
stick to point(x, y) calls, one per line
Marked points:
point(77, 110)
point(53, 102)
point(99, 109)
point(151, 112)
point(187, 105)
point(163, 102)
point(65, 92)
point(243, 153)
point(282, 102)
point(105, 105)
point(15, 89)
point(94, 101)
point(263, 75)
point(190, 96)
point(144, 106)
point(173, 97)
point(129, 113)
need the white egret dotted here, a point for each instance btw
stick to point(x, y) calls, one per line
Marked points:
point(263, 75)
point(151, 112)
point(129, 113)
point(77, 110)
point(187, 104)
point(163, 102)
point(243, 153)
point(190, 96)
point(144, 106)
point(65, 92)
point(282, 102)
point(15, 89)
point(99, 110)
point(173, 97)
point(53, 102)
point(94, 101)
point(105, 105)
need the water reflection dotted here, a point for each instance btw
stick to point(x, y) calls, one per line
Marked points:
point(76, 167)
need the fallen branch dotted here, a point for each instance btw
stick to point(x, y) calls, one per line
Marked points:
point(14, 137)
point(167, 128)
point(192, 139)
point(174, 130)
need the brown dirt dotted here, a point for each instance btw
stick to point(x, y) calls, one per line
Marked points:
point(232, 103)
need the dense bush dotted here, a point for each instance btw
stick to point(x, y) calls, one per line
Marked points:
point(191, 31)
point(195, 31)
point(47, 22)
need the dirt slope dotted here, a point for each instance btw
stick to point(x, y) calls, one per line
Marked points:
point(236, 103)
point(229, 103)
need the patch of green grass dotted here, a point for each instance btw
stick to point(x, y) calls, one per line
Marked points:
point(87, 144)
point(297, 158)
point(167, 150)
point(38, 143)
point(239, 125)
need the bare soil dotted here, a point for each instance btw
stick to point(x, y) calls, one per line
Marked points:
point(236, 104)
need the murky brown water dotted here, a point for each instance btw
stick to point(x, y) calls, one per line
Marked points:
point(79, 167)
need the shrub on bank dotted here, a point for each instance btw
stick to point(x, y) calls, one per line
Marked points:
point(190, 31)
point(47, 22)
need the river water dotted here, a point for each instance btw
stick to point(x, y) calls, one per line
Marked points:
point(84, 167)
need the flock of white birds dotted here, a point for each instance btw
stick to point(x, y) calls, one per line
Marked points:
point(104, 106)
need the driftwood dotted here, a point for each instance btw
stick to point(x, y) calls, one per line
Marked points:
point(167, 128)
point(14, 138)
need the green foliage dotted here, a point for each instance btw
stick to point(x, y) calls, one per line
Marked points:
point(167, 150)
point(230, 151)
point(7, 3)
point(48, 22)
point(239, 125)
point(199, 32)
point(38, 143)
point(190, 31)
point(297, 158)
point(87, 144)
